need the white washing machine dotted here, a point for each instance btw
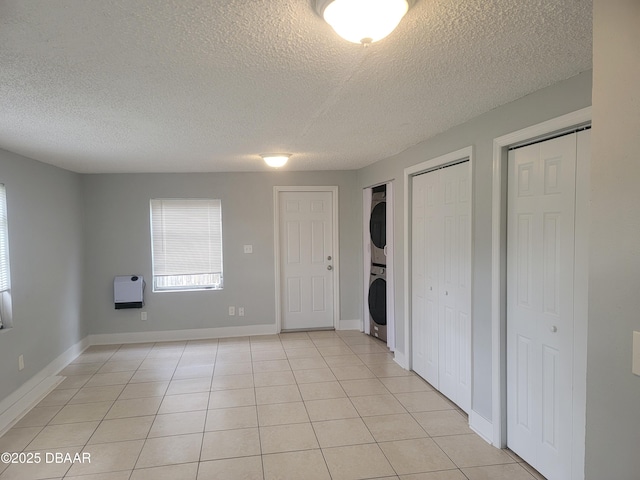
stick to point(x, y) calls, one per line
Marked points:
point(378, 302)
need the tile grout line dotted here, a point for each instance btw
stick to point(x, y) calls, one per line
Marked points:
point(99, 421)
point(371, 433)
point(255, 400)
point(206, 415)
point(184, 355)
point(144, 440)
point(304, 403)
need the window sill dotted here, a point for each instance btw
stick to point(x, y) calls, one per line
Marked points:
point(208, 289)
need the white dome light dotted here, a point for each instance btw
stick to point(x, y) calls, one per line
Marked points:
point(363, 21)
point(275, 160)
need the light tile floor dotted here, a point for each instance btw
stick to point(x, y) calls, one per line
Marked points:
point(299, 406)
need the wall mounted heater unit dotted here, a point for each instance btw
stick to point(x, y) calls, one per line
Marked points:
point(128, 291)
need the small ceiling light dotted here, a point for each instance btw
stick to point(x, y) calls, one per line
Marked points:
point(275, 160)
point(363, 21)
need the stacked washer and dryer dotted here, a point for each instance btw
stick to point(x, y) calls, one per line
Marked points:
point(378, 276)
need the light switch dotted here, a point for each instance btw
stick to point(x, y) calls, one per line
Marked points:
point(248, 249)
point(636, 353)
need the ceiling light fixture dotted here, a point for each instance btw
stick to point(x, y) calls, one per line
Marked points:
point(363, 21)
point(275, 160)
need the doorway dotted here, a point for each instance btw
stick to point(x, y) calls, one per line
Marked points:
point(541, 257)
point(438, 273)
point(525, 363)
point(378, 263)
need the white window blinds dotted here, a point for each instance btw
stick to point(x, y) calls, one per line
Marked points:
point(5, 284)
point(186, 237)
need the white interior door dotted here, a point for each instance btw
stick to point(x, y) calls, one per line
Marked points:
point(455, 286)
point(441, 281)
point(306, 260)
point(540, 303)
point(391, 303)
point(366, 264)
point(425, 252)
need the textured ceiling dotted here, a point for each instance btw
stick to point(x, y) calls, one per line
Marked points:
point(195, 86)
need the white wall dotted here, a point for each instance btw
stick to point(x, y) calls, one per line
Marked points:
point(45, 241)
point(613, 392)
point(554, 101)
point(118, 243)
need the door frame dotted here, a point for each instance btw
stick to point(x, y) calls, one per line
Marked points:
point(366, 256)
point(452, 158)
point(497, 432)
point(335, 247)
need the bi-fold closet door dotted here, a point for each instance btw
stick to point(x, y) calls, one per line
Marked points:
point(441, 280)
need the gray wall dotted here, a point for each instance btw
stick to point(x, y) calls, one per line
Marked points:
point(613, 392)
point(118, 243)
point(46, 202)
point(45, 242)
point(559, 99)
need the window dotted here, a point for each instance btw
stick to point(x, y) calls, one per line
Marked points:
point(186, 242)
point(5, 277)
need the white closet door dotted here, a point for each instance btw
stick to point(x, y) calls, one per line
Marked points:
point(441, 281)
point(391, 318)
point(540, 303)
point(455, 289)
point(426, 248)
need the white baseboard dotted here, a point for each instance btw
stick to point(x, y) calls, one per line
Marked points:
point(401, 359)
point(172, 335)
point(16, 405)
point(350, 325)
point(481, 426)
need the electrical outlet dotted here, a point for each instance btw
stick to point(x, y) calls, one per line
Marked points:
point(232, 311)
point(248, 249)
point(21, 362)
point(143, 316)
point(241, 311)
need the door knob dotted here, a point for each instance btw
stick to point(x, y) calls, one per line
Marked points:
point(553, 329)
point(329, 267)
